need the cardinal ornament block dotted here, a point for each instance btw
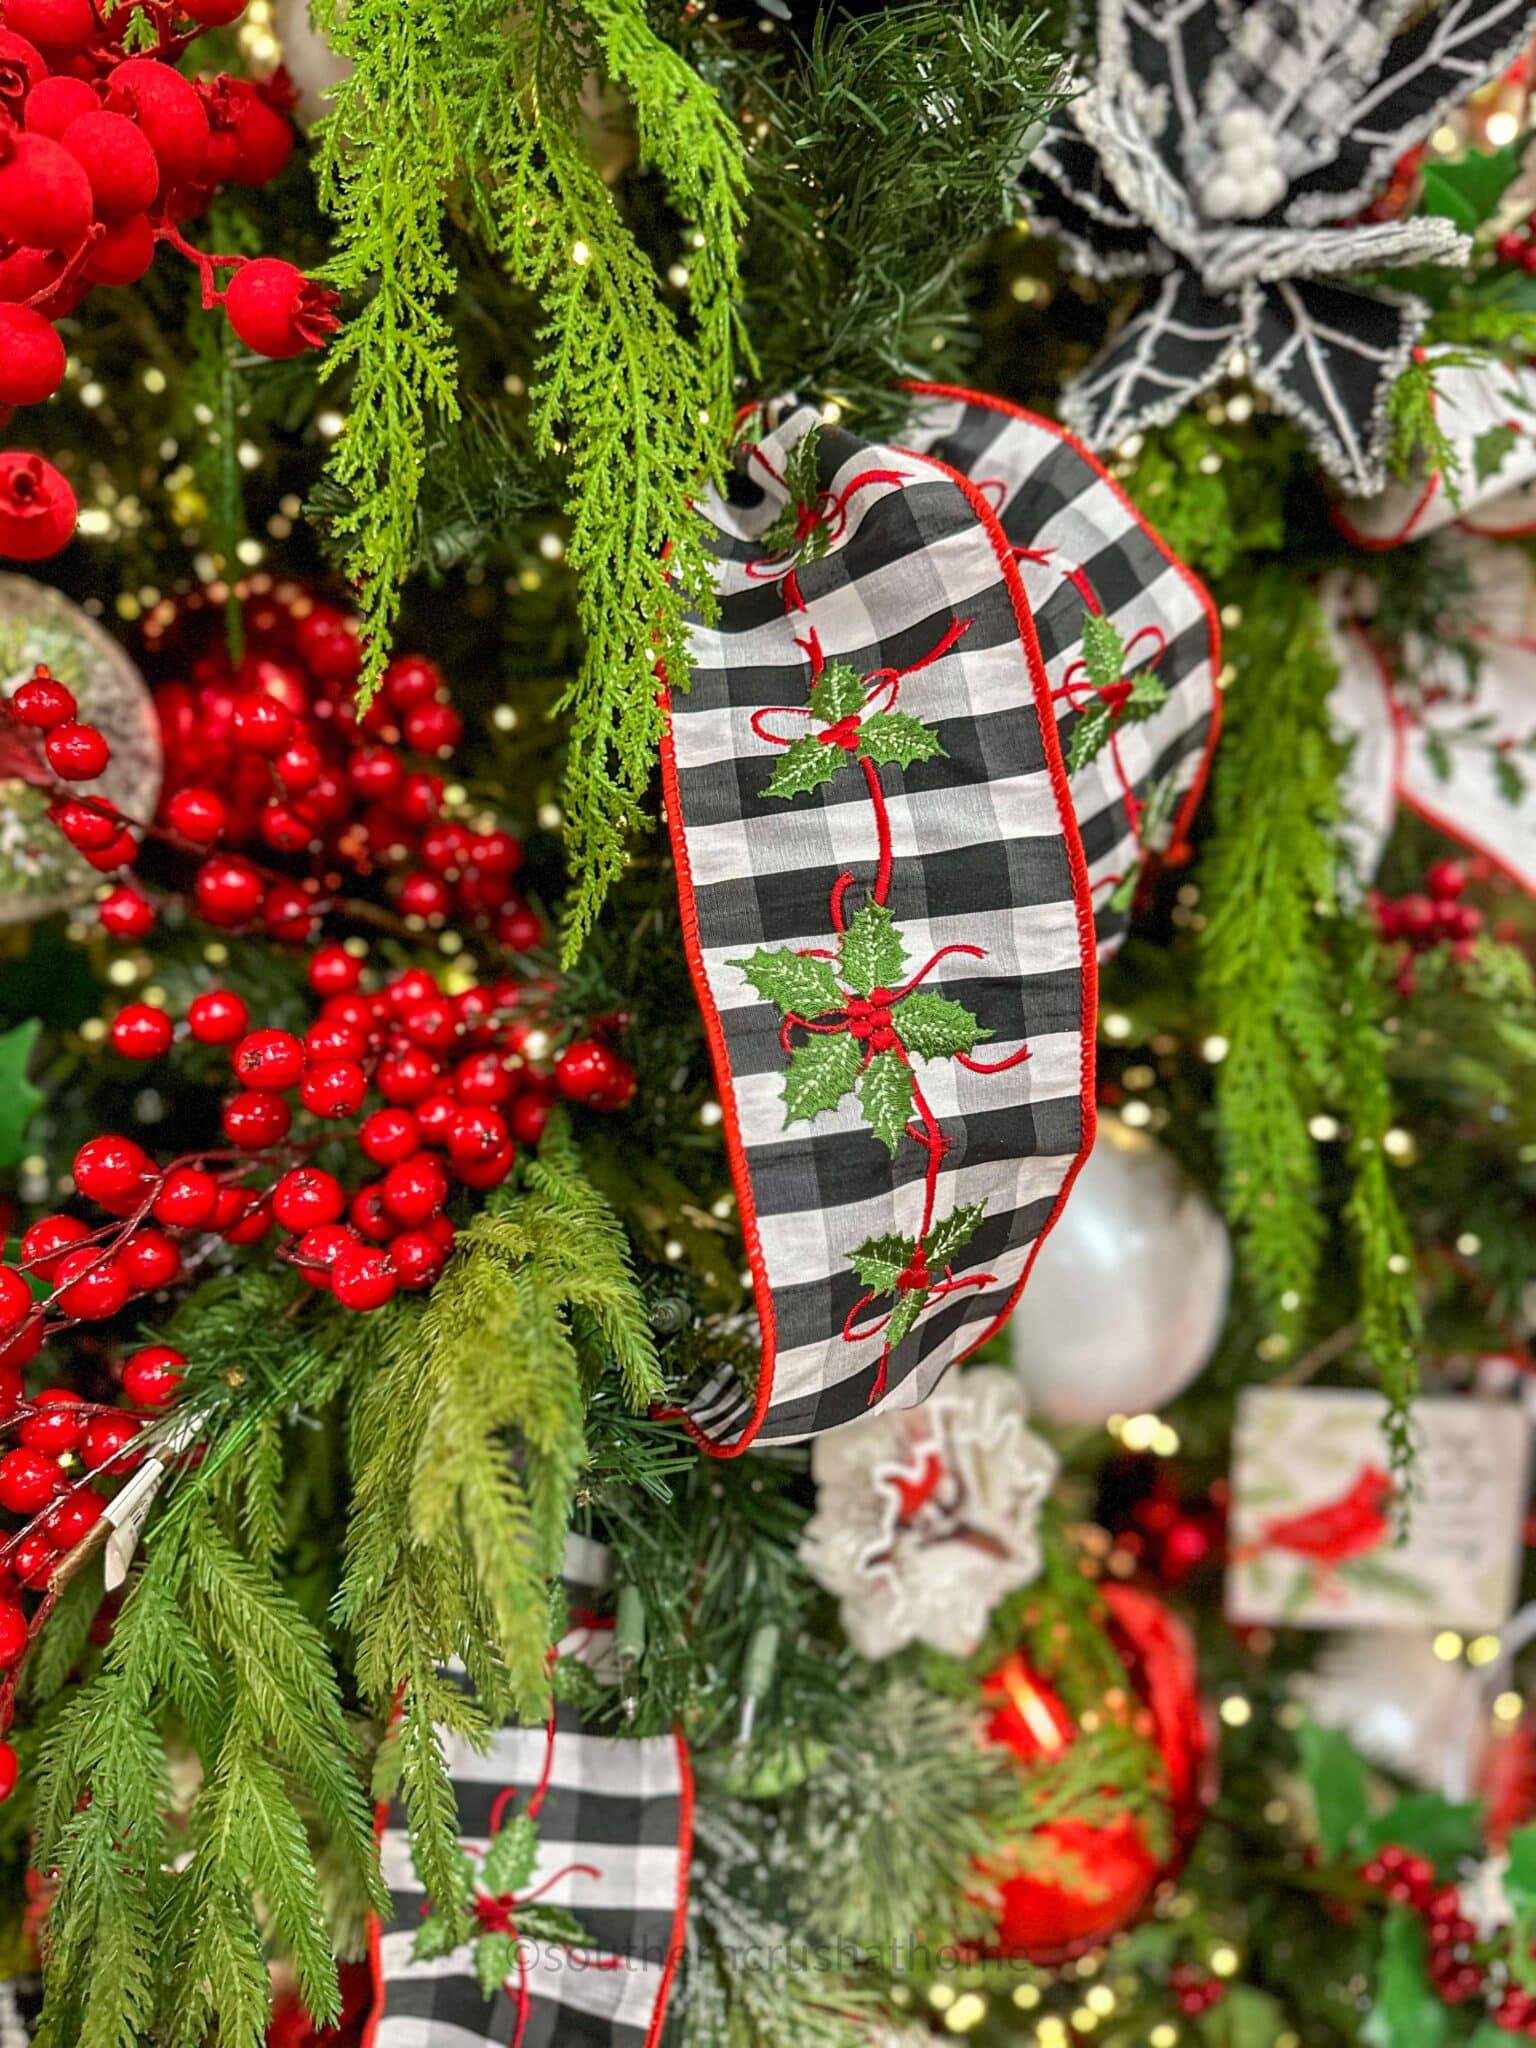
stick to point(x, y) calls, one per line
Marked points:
point(578, 1846)
point(888, 901)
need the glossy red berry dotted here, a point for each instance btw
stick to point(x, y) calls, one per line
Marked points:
point(277, 311)
point(433, 1022)
point(141, 1032)
point(186, 1199)
point(33, 1559)
point(73, 1517)
point(268, 1060)
point(335, 1088)
point(126, 914)
point(328, 1040)
point(59, 1428)
point(432, 728)
point(288, 913)
point(407, 1076)
point(13, 1634)
point(253, 1120)
point(363, 1278)
point(387, 1136)
point(262, 724)
point(486, 1173)
point(15, 1298)
point(530, 1113)
point(28, 1481)
point(44, 1242)
point(519, 929)
point(117, 159)
point(415, 1189)
point(418, 1258)
point(584, 1069)
point(152, 1376)
point(90, 824)
point(42, 701)
point(217, 1017)
point(317, 1251)
point(149, 1259)
point(485, 1079)
point(10, 1770)
point(300, 765)
point(112, 1171)
point(228, 891)
point(77, 753)
point(433, 1117)
point(37, 506)
point(333, 971)
point(368, 1215)
point(198, 815)
point(106, 1438)
point(412, 679)
point(477, 1132)
point(424, 896)
point(307, 1196)
point(91, 1285)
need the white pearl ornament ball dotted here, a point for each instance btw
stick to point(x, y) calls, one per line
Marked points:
point(1129, 1292)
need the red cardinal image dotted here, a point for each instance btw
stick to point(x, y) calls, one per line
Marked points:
point(1328, 1536)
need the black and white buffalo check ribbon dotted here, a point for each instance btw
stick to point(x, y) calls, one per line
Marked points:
point(1487, 415)
point(601, 1830)
point(887, 903)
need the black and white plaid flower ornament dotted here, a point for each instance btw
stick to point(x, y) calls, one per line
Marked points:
point(1225, 153)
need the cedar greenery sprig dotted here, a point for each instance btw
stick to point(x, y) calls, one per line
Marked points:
point(464, 101)
point(1286, 979)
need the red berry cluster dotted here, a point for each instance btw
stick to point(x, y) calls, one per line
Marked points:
point(1428, 917)
point(1196, 1990)
point(1516, 248)
point(1406, 1879)
point(103, 154)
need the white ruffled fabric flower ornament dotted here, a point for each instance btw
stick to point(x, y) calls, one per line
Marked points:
point(927, 1517)
point(1225, 153)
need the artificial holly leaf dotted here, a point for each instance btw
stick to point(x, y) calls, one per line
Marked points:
point(881, 1261)
point(1468, 191)
point(552, 1924)
point(951, 1233)
point(1408, 2012)
point(508, 1862)
point(897, 736)
point(1103, 651)
point(885, 1096)
point(19, 1100)
point(1520, 1873)
point(838, 692)
point(872, 955)
point(1337, 1779)
point(799, 986)
point(1490, 449)
point(820, 1074)
point(806, 765)
point(904, 1315)
point(1431, 1826)
point(1245, 2018)
point(1090, 735)
point(935, 1027)
point(495, 1961)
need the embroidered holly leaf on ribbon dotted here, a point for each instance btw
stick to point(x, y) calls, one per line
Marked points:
point(495, 1961)
point(936, 1027)
point(1490, 449)
point(1119, 700)
point(872, 955)
point(800, 987)
point(802, 480)
point(508, 1862)
point(904, 1315)
point(806, 765)
point(551, 1924)
point(821, 1072)
point(881, 1261)
point(885, 1096)
point(838, 692)
point(951, 1234)
point(897, 736)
